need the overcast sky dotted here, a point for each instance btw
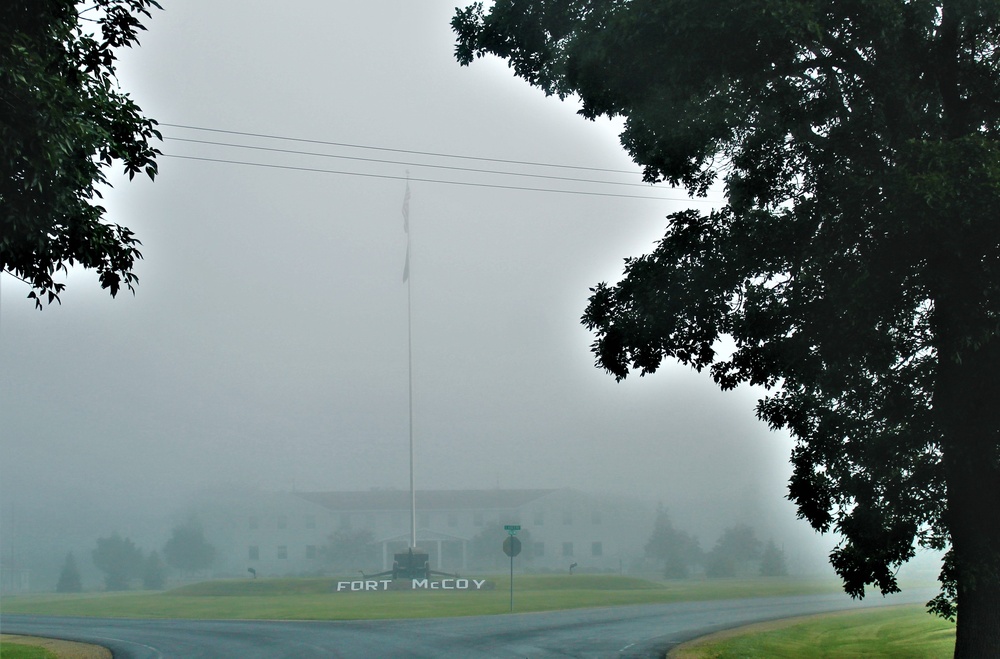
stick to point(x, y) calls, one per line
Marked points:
point(267, 341)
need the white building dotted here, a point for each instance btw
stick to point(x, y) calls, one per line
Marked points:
point(14, 579)
point(287, 533)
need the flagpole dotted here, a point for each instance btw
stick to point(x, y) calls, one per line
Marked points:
point(409, 350)
point(409, 357)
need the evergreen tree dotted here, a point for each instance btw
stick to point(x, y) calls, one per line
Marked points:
point(69, 577)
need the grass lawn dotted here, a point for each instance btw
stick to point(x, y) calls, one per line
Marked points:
point(18, 651)
point(898, 632)
point(13, 646)
point(314, 599)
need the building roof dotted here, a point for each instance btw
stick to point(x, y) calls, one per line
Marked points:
point(426, 499)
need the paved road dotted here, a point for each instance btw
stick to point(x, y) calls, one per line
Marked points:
point(628, 631)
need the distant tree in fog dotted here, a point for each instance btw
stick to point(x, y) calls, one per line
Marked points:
point(351, 549)
point(734, 552)
point(772, 562)
point(69, 578)
point(187, 549)
point(679, 551)
point(486, 547)
point(153, 572)
point(119, 559)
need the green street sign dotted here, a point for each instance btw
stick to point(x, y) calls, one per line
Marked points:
point(512, 528)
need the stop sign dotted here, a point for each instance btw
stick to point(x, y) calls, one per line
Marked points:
point(512, 546)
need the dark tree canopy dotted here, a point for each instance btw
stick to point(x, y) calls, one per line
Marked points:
point(120, 561)
point(153, 572)
point(678, 550)
point(737, 552)
point(187, 549)
point(69, 577)
point(351, 549)
point(772, 561)
point(855, 264)
point(63, 122)
point(486, 547)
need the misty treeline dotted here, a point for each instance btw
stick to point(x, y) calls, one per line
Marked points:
point(737, 552)
point(124, 563)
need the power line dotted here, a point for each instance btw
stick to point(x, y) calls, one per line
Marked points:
point(380, 148)
point(411, 164)
point(427, 180)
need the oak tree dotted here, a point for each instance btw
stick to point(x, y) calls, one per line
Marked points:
point(63, 122)
point(854, 265)
point(119, 559)
point(187, 549)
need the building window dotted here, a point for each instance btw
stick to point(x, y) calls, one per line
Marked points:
point(539, 549)
point(596, 549)
point(311, 552)
point(310, 521)
point(539, 518)
point(282, 521)
point(425, 520)
point(452, 519)
point(567, 517)
point(282, 551)
point(567, 549)
point(595, 517)
point(477, 519)
point(253, 522)
point(253, 553)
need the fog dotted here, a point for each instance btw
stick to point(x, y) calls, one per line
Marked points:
point(267, 343)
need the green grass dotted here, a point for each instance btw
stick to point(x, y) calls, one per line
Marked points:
point(903, 632)
point(257, 587)
point(18, 651)
point(313, 599)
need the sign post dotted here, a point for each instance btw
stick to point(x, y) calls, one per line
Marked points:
point(512, 547)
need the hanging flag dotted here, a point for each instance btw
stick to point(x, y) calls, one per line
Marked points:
point(406, 229)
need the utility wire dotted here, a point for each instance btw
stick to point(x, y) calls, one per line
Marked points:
point(379, 148)
point(427, 180)
point(411, 164)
